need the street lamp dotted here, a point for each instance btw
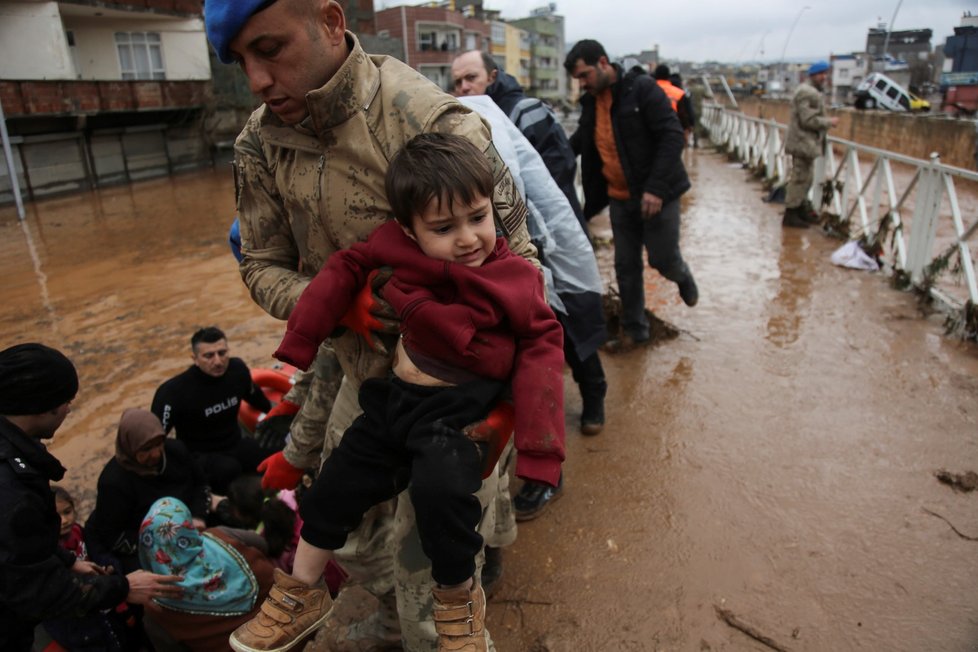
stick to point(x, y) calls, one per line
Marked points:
point(889, 30)
point(785, 48)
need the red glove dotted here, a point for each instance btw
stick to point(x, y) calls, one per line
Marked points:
point(495, 430)
point(370, 313)
point(279, 473)
point(283, 409)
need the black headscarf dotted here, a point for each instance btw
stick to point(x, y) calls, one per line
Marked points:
point(35, 379)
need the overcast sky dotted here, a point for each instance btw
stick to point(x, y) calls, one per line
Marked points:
point(738, 30)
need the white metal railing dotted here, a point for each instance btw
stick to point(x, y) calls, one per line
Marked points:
point(904, 209)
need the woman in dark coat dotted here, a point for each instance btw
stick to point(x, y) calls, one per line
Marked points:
point(147, 466)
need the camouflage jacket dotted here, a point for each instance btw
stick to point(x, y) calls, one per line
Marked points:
point(306, 191)
point(806, 131)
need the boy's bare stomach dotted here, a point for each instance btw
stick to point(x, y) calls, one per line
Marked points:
point(409, 373)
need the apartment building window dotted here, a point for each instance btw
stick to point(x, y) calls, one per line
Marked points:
point(140, 55)
point(498, 33)
point(73, 53)
point(426, 41)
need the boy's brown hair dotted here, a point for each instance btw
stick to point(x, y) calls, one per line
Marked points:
point(438, 167)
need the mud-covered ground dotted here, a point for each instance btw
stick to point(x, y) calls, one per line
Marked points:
point(771, 471)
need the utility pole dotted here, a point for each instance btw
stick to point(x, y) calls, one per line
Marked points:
point(889, 29)
point(785, 48)
point(11, 169)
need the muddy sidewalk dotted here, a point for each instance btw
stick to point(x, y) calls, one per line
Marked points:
point(766, 480)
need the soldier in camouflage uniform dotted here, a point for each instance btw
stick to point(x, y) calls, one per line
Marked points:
point(805, 142)
point(310, 167)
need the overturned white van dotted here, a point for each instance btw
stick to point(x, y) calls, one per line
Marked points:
point(879, 91)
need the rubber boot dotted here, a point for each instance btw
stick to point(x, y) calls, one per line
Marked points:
point(492, 570)
point(809, 214)
point(592, 407)
point(793, 218)
point(460, 619)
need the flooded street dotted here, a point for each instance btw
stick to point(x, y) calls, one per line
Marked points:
point(119, 279)
point(774, 464)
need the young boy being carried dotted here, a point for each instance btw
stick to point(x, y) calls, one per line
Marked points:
point(473, 319)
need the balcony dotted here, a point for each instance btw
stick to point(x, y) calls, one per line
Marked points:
point(68, 97)
point(174, 6)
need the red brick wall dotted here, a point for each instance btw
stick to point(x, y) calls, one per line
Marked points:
point(169, 6)
point(148, 95)
point(42, 97)
point(116, 96)
point(81, 96)
point(390, 20)
point(68, 97)
point(10, 98)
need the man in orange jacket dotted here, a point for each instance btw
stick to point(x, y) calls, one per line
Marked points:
point(678, 98)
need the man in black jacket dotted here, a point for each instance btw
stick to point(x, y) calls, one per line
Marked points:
point(202, 404)
point(631, 145)
point(39, 579)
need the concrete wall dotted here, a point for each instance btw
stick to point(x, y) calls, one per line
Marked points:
point(185, 54)
point(911, 135)
point(32, 43)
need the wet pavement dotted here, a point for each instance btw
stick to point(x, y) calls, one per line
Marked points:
point(770, 471)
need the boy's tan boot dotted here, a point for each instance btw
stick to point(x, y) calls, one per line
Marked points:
point(292, 611)
point(460, 619)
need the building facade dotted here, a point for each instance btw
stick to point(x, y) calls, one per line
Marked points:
point(848, 71)
point(101, 92)
point(959, 78)
point(904, 55)
point(510, 47)
point(548, 81)
point(433, 36)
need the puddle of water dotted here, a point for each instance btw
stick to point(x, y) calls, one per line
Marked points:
point(119, 279)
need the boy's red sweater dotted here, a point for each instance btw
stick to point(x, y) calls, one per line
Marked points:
point(490, 321)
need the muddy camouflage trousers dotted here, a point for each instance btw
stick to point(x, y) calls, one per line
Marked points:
point(799, 181)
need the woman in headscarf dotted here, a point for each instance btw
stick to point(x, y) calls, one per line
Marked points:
point(226, 576)
point(147, 466)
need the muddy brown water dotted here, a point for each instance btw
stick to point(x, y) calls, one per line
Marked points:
point(775, 461)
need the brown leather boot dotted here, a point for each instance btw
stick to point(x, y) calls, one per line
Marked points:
point(291, 612)
point(460, 619)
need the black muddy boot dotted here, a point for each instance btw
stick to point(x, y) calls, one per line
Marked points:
point(534, 497)
point(592, 410)
point(794, 218)
point(809, 214)
point(492, 570)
